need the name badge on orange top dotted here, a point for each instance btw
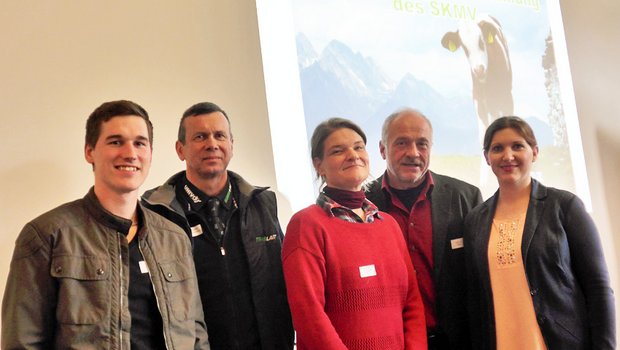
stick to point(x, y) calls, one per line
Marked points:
point(367, 271)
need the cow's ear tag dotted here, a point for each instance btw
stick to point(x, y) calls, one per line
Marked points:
point(490, 38)
point(451, 46)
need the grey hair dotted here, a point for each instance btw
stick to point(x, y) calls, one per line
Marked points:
point(396, 114)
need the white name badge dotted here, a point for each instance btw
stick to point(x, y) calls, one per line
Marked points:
point(196, 230)
point(143, 267)
point(367, 271)
point(457, 243)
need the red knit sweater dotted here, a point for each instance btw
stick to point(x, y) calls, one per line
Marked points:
point(351, 285)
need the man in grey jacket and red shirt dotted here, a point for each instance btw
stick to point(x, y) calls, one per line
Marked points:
point(430, 209)
point(236, 236)
point(103, 272)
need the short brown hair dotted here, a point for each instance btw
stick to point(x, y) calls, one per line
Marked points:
point(109, 110)
point(199, 109)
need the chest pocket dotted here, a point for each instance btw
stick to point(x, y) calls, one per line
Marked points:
point(180, 286)
point(83, 293)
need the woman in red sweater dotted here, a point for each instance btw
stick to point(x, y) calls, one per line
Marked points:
point(349, 278)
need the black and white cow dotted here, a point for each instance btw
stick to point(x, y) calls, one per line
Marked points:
point(487, 52)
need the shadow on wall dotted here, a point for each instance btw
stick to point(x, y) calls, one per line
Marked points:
point(285, 211)
point(609, 146)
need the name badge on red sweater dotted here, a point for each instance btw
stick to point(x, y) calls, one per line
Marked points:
point(367, 271)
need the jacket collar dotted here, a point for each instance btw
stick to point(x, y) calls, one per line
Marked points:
point(165, 194)
point(535, 210)
point(380, 186)
point(538, 192)
point(246, 190)
point(104, 217)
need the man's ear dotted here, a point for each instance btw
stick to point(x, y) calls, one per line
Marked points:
point(382, 149)
point(178, 146)
point(88, 154)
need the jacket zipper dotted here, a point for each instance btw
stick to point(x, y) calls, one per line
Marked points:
point(221, 240)
point(155, 293)
point(120, 291)
point(235, 310)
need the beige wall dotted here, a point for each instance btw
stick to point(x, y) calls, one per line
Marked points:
point(61, 59)
point(591, 29)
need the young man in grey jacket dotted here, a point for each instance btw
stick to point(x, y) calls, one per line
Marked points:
point(103, 272)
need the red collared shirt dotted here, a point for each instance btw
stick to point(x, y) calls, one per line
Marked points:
point(417, 228)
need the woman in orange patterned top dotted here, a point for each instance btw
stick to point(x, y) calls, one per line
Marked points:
point(537, 277)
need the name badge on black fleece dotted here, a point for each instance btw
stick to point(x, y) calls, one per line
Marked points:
point(196, 230)
point(457, 243)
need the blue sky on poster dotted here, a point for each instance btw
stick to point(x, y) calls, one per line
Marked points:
point(403, 41)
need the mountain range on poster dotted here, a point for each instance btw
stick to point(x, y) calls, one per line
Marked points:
point(341, 82)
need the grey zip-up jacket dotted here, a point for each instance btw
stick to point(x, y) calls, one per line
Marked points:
point(69, 275)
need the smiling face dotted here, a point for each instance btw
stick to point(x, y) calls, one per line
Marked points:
point(407, 150)
point(345, 160)
point(121, 158)
point(208, 146)
point(511, 158)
